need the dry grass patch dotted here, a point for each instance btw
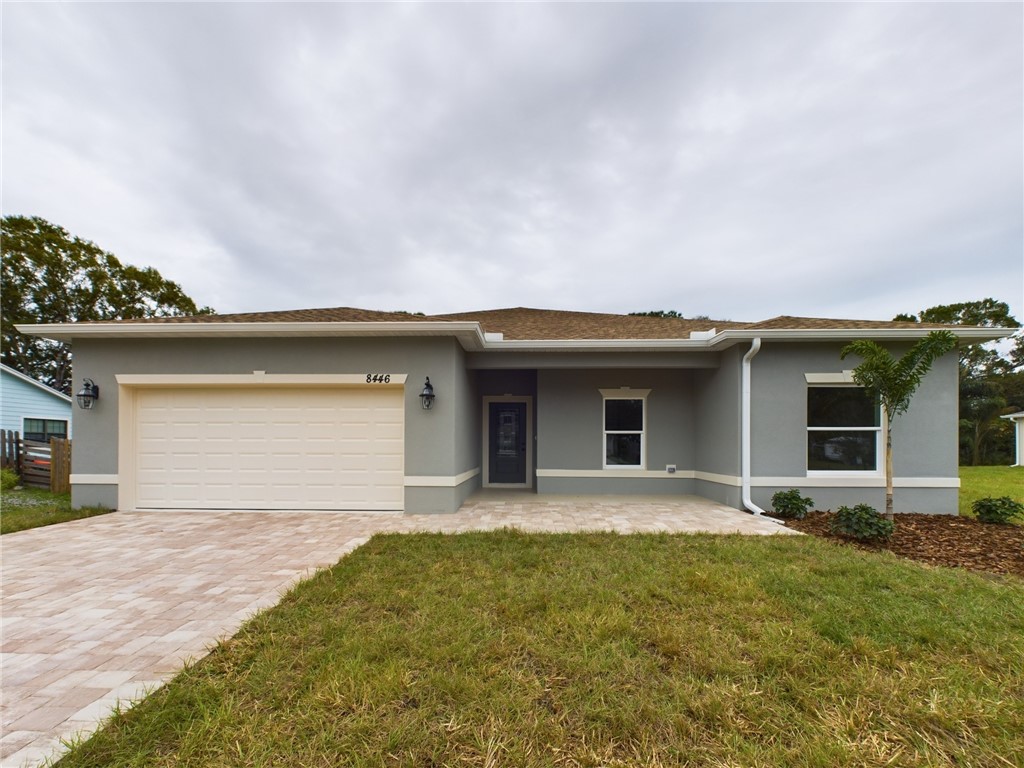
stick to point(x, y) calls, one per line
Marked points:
point(495, 649)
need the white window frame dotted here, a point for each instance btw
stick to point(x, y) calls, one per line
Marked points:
point(844, 380)
point(624, 393)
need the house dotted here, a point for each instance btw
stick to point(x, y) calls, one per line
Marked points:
point(322, 409)
point(31, 408)
point(1018, 436)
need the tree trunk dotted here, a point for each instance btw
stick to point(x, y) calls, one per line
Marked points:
point(888, 472)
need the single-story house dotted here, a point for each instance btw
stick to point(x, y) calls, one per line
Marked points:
point(31, 408)
point(1018, 436)
point(325, 409)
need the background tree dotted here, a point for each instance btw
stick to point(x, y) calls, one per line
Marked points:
point(658, 313)
point(991, 382)
point(667, 313)
point(48, 276)
point(893, 381)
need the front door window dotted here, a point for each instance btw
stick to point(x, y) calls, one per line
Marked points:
point(507, 428)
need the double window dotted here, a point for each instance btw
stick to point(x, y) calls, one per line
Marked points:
point(844, 429)
point(41, 430)
point(625, 422)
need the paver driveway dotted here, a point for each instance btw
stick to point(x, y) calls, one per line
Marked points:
point(104, 609)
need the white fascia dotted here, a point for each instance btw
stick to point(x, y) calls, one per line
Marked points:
point(473, 339)
point(970, 335)
point(469, 334)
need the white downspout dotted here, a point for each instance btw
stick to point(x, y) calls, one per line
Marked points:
point(755, 347)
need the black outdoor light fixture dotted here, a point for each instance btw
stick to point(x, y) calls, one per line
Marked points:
point(87, 395)
point(427, 395)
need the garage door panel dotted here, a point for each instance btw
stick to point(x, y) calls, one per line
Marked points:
point(269, 448)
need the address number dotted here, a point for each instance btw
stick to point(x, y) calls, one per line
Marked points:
point(378, 378)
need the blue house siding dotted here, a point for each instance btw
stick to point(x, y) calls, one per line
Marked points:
point(22, 399)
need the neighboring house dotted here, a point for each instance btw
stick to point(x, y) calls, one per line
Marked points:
point(321, 409)
point(31, 408)
point(1018, 436)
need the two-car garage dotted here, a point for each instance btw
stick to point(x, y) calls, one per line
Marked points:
point(303, 443)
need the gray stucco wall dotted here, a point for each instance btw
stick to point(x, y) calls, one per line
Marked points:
point(924, 439)
point(570, 427)
point(437, 442)
point(717, 415)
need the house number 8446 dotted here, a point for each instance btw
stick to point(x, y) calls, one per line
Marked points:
point(378, 378)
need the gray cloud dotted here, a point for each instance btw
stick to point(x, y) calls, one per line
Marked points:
point(735, 160)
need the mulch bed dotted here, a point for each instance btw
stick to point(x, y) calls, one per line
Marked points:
point(947, 540)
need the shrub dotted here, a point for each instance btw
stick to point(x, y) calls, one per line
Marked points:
point(1001, 510)
point(8, 479)
point(791, 504)
point(862, 522)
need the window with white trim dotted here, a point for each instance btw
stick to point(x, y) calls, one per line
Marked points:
point(625, 421)
point(844, 430)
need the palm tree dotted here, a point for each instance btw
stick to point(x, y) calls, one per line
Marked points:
point(893, 381)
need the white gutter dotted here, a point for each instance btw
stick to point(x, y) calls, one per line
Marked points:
point(473, 339)
point(755, 347)
point(469, 334)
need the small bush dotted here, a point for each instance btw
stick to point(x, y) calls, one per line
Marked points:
point(862, 522)
point(791, 504)
point(1001, 510)
point(8, 479)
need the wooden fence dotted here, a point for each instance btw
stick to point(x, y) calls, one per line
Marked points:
point(41, 465)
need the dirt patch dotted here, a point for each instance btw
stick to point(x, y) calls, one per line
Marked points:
point(948, 540)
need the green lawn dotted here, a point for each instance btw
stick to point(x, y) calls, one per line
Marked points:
point(508, 649)
point(980, 482)
point(34, 507)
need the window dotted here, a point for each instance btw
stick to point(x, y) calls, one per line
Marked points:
point(624, 422)
point(41, 430)
point(843, 430)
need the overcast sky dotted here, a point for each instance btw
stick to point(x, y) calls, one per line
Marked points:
point(733, 160)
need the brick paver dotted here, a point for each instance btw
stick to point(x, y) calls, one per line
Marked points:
point(102, 610)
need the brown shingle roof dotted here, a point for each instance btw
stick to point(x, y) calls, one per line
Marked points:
point(546, 324)
point(787, 322)
point(523, 323)
point(328, 315)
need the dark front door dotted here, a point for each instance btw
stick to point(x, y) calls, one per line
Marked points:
point(507, 438)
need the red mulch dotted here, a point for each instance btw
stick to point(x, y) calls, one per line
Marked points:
point(947, 540)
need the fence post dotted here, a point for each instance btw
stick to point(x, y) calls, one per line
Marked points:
point(60, 465)
point(10, 449)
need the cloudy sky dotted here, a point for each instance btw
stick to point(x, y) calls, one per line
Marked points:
point(733, 160)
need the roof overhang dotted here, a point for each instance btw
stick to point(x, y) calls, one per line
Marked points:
point(473, 339)
point(470, 335)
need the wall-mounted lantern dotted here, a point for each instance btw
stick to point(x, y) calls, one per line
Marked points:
point(87, 395)
point(427, 395)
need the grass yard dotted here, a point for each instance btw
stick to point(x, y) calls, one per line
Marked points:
point(34, 507)
point(509, 649)
point(980, 482)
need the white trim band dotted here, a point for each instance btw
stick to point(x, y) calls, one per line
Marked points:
point(440, 481)
point(834, 481)
point(617, 473)
point(258, 378)
point(844, 377)
point(84, 479)
point(761, 482)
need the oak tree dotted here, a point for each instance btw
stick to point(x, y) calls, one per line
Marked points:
point(49, 276)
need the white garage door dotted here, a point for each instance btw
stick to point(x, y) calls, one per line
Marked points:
point(269, 448)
